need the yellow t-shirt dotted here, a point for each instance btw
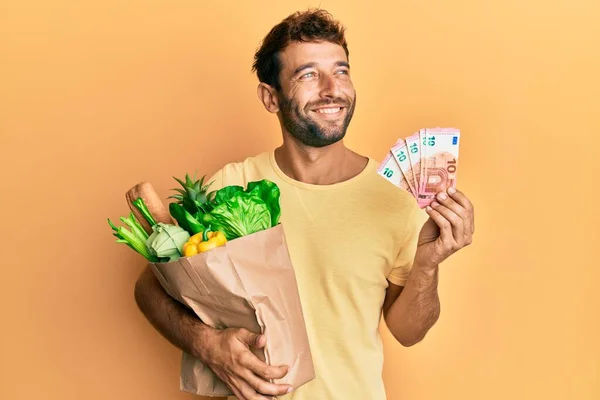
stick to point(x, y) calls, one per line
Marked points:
point(344, 240)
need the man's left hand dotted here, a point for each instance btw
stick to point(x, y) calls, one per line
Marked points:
point(450, 227)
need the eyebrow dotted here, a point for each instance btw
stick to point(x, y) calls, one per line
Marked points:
point(314, 64)
point(305, 66)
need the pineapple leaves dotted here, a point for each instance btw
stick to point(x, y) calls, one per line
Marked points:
point(192, 195)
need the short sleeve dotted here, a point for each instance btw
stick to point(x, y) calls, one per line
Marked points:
point(216, 181)
point(404, 262)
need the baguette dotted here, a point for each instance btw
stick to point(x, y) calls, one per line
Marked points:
point(153, 202)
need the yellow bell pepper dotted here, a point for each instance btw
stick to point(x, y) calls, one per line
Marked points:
point(203, 241)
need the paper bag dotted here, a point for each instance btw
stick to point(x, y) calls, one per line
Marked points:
point(247, 283)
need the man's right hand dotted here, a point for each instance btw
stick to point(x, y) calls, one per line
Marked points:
point(227, 353)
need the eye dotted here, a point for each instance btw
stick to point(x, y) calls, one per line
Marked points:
point(308, 75)
point(342, 72)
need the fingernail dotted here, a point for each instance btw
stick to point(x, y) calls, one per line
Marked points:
point(289, 390)
point(435, 204)
point(442, 196)
point(429, 208)
point(451, 190)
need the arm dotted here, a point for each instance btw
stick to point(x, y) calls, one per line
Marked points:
point(226, 352)
point(171, 319)
point(410, 316)
point(411, 311)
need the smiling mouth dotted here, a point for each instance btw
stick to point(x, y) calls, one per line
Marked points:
point(328, 110)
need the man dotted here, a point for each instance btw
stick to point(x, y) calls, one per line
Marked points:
point(360, 246)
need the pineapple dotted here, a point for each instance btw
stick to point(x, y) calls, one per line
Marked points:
point(194, 195)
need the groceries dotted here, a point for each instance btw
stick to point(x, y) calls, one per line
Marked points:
point(223, 254)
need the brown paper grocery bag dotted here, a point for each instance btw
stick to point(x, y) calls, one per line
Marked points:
point(247, 283)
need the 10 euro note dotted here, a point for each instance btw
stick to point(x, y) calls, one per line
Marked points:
point(423, 164)
point(391, 171)
point(400, 152)
point(414, 155)
point(439, 163)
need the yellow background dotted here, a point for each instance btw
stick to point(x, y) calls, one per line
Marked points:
point(98, 95)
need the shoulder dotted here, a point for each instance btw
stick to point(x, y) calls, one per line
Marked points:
point(398, 205)
point(241, 172)
point(384, 191)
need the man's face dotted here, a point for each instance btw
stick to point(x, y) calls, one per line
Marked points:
point(317, 98)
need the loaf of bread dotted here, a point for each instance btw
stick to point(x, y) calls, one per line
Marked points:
point(155, 205)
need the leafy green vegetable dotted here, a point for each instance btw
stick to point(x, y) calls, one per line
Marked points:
point(185, 220)
point(226, 193)
point(269, 192)
point(243, 214)
point(167, 241)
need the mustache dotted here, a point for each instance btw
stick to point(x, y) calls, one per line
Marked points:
point(329, 102)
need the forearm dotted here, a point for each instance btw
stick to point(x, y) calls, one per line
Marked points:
point(173, 320)
point(417, 308)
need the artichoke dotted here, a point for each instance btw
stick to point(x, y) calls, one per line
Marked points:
point(166, 241)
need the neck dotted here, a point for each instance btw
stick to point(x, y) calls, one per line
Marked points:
point(318, 166)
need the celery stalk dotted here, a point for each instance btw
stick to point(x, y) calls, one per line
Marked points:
point(140, 205)
point(133, 241)
point(135, 226)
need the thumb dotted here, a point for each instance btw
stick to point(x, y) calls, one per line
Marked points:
point(252, 339)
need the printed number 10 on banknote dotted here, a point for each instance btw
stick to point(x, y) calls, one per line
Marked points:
point(439, 162)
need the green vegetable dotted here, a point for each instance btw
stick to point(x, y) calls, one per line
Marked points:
point(167, 240)
point(185, 220)
point(238, 212)
point(243, 214)
point(226, 193)
point(269, 192)
point(136, 238)
point(140, 205)
point(193, 195)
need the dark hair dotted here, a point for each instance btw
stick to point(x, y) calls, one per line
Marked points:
point(314, 25)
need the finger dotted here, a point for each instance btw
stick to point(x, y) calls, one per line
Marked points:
point(263, 370)
point(443, 224)
point(263, 387)
point(456, 222)
point(249, 393)
point(237, 393)
point(457, 208)
point(234, 384)
point(461, 199)
point(251, 339)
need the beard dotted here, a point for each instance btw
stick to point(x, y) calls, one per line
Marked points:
point(315, 133)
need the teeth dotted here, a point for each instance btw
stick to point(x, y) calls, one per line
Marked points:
point(328, 110)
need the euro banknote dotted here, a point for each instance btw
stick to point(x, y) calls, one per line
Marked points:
point(424, 163)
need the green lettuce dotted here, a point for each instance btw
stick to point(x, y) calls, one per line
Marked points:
point(241, 215)
point(226, 193)
point(269, 193)
point(238, 212)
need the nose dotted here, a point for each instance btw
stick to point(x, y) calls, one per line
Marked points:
point(329, 86)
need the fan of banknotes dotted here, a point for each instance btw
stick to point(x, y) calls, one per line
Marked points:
point(423, 164)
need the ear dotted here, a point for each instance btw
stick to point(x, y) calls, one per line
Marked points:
point(268, 96)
